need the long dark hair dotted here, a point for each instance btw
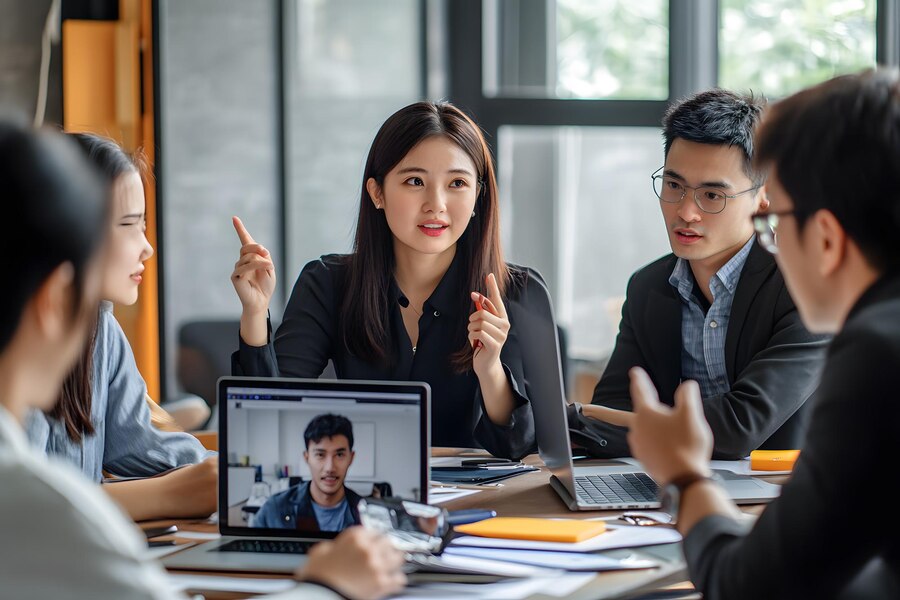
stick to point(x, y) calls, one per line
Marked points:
point(56, 209)
point(365, 323)
point(74, 405)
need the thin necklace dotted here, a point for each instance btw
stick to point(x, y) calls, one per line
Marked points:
point(409, 304)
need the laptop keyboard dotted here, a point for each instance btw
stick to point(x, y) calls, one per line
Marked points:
point(616, 488)
point(265, 546)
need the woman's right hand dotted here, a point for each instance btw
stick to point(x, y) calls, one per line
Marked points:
point(254, 281)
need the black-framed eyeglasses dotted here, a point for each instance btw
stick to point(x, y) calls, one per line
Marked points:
point(766, 227)
point(709, 199)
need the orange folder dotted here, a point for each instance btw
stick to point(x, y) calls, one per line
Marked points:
point(773, 460)
point(542, 530)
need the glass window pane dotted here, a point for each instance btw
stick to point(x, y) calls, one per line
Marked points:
point(780, 46)
point(342, 81)
point(609, 49)
point(578, 205)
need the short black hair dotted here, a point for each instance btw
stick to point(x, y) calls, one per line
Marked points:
point(718, 117)
point(836, 146)
point(328, 425)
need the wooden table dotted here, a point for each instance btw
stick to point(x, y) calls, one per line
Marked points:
point(530, 494)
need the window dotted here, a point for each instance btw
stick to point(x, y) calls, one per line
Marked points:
point(595, 49)
point(348, 66)
point(576, 49)
point(602, 224)
point(777, 47)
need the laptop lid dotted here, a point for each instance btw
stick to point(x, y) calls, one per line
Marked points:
point(267, 471)
point(537, 332)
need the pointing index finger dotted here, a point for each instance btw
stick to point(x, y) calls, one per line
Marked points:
point(242, 232)
point(494, 295)
point(643, 394)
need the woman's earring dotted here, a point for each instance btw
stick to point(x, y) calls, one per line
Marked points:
point(473, 214)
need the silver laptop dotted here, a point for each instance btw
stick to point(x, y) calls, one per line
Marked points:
point(614, 486)
point(286, 448)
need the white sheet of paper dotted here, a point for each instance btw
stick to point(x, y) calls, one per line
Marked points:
point(741, 467)
point(181, 582)
point(615, 537)
point(569, 561)
point(494, 567)
point(441, 495)
point(557, 587)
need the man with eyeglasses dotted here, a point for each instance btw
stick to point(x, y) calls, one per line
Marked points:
point(834, 223)
point(716, 310)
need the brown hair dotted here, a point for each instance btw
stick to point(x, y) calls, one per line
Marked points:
point(364, 328)
point(74, 405)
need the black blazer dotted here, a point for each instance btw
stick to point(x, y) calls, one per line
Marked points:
point(309, 337)
point(771, 359)
point(824, 538)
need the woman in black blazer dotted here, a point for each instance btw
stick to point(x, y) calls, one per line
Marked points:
point(423, 295)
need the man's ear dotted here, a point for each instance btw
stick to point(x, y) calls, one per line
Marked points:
point(306, 456)
point(375, 193)
point(763, 199)
point(52, 303)
point(832, 241)
point(352, 456)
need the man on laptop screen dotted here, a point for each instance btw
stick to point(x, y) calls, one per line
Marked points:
point(298, 455)
point(323, 503)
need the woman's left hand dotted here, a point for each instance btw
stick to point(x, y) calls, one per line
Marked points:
point(489, 326)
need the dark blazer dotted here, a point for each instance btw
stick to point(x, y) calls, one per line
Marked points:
point(772, 361)
point(293, 509)
point(309, 337)
point(824, 537)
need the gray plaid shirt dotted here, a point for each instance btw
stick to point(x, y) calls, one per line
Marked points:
point(703, 335)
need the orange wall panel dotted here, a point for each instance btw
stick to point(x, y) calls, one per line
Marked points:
point(102, 88)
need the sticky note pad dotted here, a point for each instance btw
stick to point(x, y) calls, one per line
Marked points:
point(542, 530)
point(773, 460)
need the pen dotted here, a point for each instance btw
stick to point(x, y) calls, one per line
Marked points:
point(478, 306)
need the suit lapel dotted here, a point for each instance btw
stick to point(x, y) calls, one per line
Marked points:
point(756, 270)
point(663, 322)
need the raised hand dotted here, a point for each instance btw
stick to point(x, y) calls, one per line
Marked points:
point(670, 442)
point(254, 281)
point(488, 328)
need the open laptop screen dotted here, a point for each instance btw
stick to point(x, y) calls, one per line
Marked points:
point(300, 454)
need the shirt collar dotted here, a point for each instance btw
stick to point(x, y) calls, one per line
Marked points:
point(730, 273)
point(444, 299)
point(682, 279)
point(11, 432)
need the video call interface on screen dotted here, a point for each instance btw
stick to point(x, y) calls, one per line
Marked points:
point(302, 459)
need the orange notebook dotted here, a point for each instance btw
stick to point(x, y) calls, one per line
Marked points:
point(773, 460)
point(542, 530)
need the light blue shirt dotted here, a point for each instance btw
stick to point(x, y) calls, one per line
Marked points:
point(336, 518)
point(703, 335)
point(124, 443)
